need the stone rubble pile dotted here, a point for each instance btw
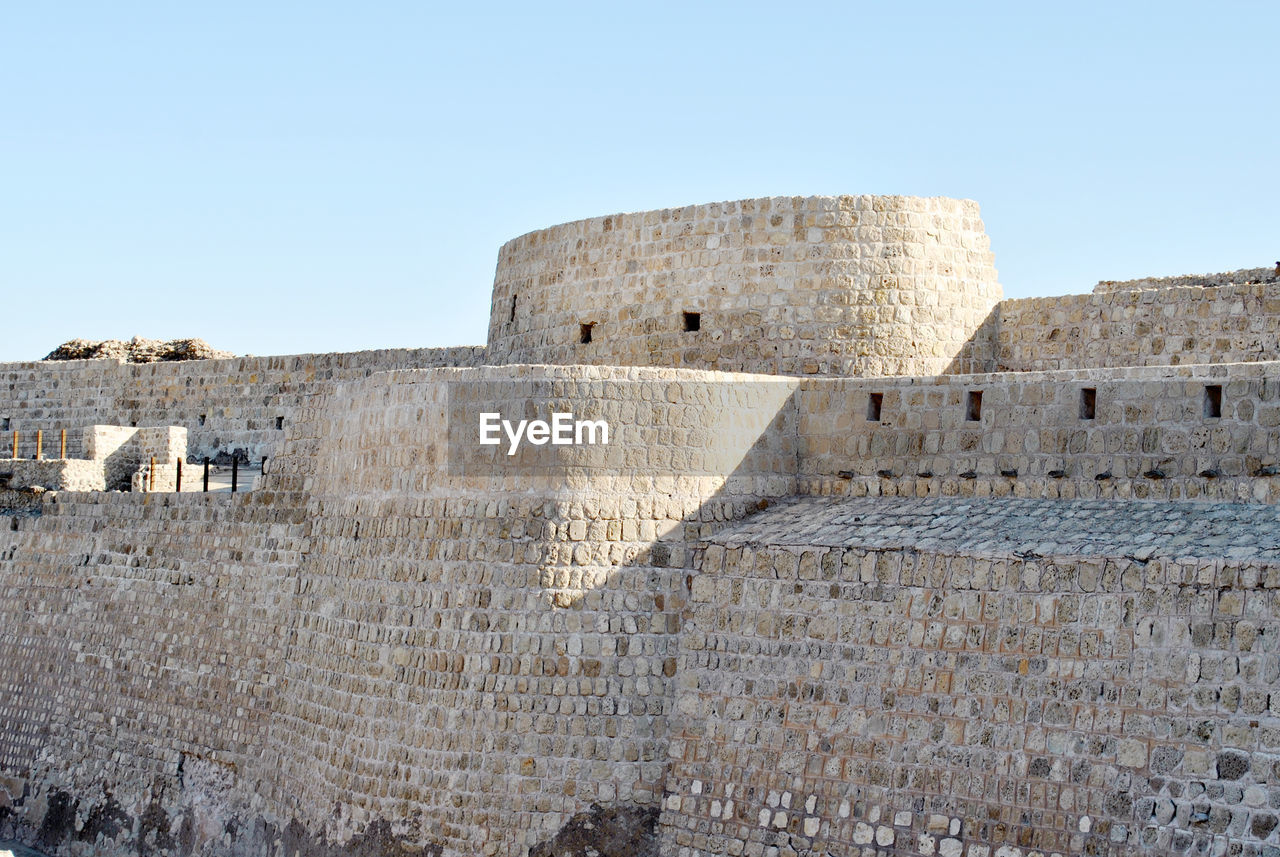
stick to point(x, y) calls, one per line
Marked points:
point(137, 350)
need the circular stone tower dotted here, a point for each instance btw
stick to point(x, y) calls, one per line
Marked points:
point(836, 285)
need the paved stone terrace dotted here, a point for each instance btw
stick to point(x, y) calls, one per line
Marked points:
point(1010, 526)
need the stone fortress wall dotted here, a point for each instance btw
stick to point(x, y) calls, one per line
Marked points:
point(822, 634)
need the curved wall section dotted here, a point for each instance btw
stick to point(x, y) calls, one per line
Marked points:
point(848, 285)
point(487, 644)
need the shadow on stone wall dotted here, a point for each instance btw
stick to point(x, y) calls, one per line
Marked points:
point(979, 354)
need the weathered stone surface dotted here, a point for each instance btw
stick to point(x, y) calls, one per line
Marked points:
point(1232, 766)
point(605, 832)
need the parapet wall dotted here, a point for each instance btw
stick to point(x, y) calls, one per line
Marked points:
point(849, 285)
point(1139, 433)
point(242, 403)
point(1227, 278)
point(1164, 326)
point(674, 431)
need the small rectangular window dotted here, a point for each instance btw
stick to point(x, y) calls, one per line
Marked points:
point(514, 298)
point(973, 407)
point(1212, 401)
point(874, 402)
point(201, 419)
point(584, 332)
point(692, 321)
point(1088, 402)
point(279, 423)
point(6, 424)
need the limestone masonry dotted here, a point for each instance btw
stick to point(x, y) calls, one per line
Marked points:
point(873, 563)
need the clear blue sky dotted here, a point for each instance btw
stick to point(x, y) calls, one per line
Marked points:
point(286, 177)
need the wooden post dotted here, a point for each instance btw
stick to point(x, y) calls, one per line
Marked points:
point(39, 444)
point(151, 476)
point(178, 487)
point(206, 474)
point(235, 472)
point(15, 443)
point(62, 445)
